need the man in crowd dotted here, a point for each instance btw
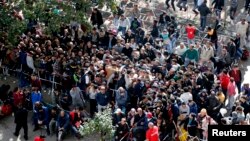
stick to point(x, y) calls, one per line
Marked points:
point(21, 120)
point(204, 11)
point(102, 99)
point(152, 133)
point(122, 130)
point(63, 124)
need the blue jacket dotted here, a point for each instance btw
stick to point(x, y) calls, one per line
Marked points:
point(36, 97)
point(102, 99)
point(175, 110)
point(22, 56)
point(193, 108)
point(63, 121)
point(121, 100)
point(42, 116)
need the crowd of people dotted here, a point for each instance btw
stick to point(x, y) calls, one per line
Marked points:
point(157, 86)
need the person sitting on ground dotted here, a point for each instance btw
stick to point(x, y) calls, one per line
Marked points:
point(63, 124)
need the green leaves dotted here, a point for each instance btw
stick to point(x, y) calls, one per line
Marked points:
point(52, 13)
point(101, 123)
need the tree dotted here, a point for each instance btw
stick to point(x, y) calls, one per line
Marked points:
point(49, 13)
point(101, 125)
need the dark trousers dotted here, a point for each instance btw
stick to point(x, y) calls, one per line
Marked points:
point(172, 4)
point(19, 127)
point(247, 4)
point(238, 84)
point(203, 22)
point(93, 104)
point(232, 12)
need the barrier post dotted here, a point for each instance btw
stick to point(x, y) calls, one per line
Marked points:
point(52, 89)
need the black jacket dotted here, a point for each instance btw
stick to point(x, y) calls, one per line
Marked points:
point(121, 132)
point(164, 19)
point(96, 18)
point(113, 41)
point(218, 4)
point(213, 105)
point(21, 116)
point(204, 10)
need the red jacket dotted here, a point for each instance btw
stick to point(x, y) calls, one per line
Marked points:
point(190, 32)
point(18, 98)
point(236, 74)
point(152, 134)
point(224, 81)
point(36, 83)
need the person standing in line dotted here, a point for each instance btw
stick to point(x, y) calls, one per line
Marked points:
point(21, 117)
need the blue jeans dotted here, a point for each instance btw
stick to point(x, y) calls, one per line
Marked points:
point(203, 22)
point(190, 41)
point(169, 48)
point(173, 43)
point(218, 14)
point(187, 61)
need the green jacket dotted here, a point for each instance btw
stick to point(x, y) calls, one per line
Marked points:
point(191, 54)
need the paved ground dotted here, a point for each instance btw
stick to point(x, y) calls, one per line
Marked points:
point(7, 126)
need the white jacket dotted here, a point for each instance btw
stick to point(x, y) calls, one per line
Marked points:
point(206, 53)
point(30, 62)
point(241, 28)
point(180, 51)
